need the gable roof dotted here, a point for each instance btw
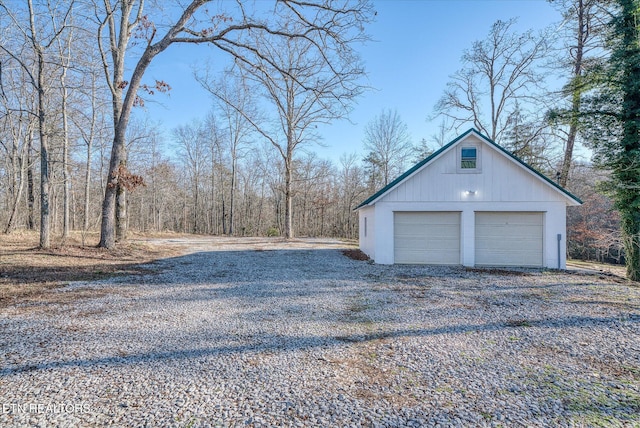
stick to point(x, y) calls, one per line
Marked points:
point(446, 147)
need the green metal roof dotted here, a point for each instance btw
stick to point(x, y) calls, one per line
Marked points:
point(444, 148)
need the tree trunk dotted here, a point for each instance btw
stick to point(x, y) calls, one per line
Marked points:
point(288, 200)
point(87, 186)
point(196, 204)
point(224, 221)
point(571, 138)
point(66, 211)
point(122, 108)
point(45, 218)
point(121, 214)
point(234, 161)
point(107, 228)
point(17, 196)
point(576, 94)
point(214, 224)
point(31, 198)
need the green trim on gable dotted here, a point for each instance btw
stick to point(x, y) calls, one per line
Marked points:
point(425, 161)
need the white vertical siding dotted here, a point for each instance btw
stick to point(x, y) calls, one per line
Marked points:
point(367, 234)
point(500, 180)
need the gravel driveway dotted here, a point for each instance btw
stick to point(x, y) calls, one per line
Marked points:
point(259, 332)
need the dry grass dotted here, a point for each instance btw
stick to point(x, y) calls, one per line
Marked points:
point(30, 273)
point(604, 268)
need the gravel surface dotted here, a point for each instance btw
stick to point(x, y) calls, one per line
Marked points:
point(258, 332)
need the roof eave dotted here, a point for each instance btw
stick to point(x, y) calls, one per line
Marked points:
point(571, 199)
point(380, 193)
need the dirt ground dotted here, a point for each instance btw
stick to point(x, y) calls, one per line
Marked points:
point(29, 272)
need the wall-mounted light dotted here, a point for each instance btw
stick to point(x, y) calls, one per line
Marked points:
point(470, 192)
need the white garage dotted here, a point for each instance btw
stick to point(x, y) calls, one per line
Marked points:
point(471, 203)
point(509, 239)
point(427, 238)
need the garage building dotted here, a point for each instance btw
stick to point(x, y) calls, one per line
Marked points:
point(471, 203)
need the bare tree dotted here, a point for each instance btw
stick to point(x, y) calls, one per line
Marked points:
point(388, 145)
point(234, 101)
point(593, 229)
point(17, 129)
point(306, 81)
point(91, 124)
point(351, 191)
point(65, 51)
point(43, 29)
point(216, 211)
point(227, 29)
point(194, 150)
point(530, 142)
point(440, 136)
point(496, 72)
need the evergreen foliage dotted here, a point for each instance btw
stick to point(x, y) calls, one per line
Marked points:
point(615, 126)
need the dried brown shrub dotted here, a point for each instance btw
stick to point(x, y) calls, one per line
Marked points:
point(355, 254)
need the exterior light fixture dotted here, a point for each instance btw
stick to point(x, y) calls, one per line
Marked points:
point(471, 192)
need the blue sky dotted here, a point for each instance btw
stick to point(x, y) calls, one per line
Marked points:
point(416, 45)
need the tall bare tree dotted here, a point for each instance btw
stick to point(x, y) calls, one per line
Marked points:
point(17, 129)
point(229, 27)
point(496, 72)
point(64, 54)
point(40, 29)
point(307, 82)
point(388, 145)
point(194, 150)
point(351, 192)
point(234, 102)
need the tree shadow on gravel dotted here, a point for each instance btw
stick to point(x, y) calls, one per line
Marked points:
point(284, 343)
point(252, 278)
point(264, 273)
point(240, 266)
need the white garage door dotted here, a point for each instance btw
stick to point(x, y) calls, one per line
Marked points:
point(509, 239)
point(427, 237)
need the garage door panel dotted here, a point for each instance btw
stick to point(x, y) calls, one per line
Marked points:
point(520, 230)
point(507, 258)
point(422, 243)
point(509, 239)
point(499, 219)
point(423, 257)
point(421, 217)
point(424, 230)
point(427, 237)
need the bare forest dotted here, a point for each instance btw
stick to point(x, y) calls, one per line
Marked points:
point(77, 153)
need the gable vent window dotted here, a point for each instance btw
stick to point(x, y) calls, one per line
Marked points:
point(469, 158)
